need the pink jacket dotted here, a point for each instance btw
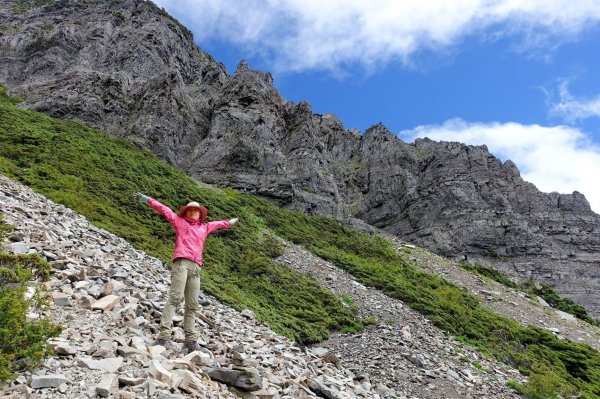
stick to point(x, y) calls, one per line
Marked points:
point(189, 235)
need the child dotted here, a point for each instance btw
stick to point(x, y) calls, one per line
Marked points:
point(191, 230)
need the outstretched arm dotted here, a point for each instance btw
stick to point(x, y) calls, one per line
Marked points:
point(165, 211)
point(221, 224)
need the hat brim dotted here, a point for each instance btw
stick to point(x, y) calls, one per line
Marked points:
point(203, 210)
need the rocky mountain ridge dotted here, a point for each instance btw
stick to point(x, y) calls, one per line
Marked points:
point(132, 70)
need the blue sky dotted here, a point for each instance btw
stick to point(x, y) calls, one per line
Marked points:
point(522, 77)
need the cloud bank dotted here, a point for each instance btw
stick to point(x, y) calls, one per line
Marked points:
point(327, 35)
point(558, 158)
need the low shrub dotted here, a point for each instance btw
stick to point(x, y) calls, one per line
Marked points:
point(548, 294)
point(489, 273)
point(23, 345)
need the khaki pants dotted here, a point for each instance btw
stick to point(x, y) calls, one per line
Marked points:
point(185, 281)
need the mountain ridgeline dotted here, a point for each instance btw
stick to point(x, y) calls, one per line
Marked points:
point(129, 68)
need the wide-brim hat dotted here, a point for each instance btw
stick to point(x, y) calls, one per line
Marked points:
point(192, 205)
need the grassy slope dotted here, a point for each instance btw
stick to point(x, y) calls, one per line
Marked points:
point(545, 292)
point(95, 175)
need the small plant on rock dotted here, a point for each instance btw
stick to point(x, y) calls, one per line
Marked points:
point(23, 344)
point(346, 298)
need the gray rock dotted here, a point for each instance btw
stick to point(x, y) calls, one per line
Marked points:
point(47, 381)
point(565, 315)
point(49, 255)
point(109, 365)
point(320, 389)
point(109, 385)
point(131, 381)
point(86, 302)
point(319, 351)
point(65, 349)
point(125, 395)
point(60, 299)
point(127, 351)
point(199, 358)
point(139, 343)
point(248, 380)
point(157, 371)
point(453, 374)
point(247, 313)
point(189, 382)
point(17, 248)
point(542, 302)
point(106, 303)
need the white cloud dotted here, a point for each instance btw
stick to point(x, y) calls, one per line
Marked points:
point(326, 35)
point(573, 109)
point(558, 158)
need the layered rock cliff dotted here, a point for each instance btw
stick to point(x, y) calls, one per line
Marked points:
point(129, 68)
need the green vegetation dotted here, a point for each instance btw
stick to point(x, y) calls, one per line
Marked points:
point(9, 29)
point(478, 366)
point(371, 320)
point(346, 298)
point(96, 175)
point(47, 28)
point(545, 292)
point(23, 6)
point(556, 301)
point(489, 273)
point(119, 16)
point(420, 153)
point(23, 344)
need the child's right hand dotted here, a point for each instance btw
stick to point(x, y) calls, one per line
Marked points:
point(141, 197)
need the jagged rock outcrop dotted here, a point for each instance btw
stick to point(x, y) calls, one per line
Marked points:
point(129, 68)
point(125, 67)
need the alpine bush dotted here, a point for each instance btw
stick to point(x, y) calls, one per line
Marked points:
point(23, 345)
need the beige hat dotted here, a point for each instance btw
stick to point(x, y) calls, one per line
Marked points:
point(192, 205)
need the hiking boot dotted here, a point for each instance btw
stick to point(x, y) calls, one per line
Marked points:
point(164, 342)
point(191, 346)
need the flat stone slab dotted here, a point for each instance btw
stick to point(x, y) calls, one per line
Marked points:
point(60, 299)
point(17, 248)
point(110, 365)
point(247, 380)
point(565, 315)
point(157, 371)
point(109, 385)
point(47, 381)
point(106, 303)
point(199, 358)
point(131, 381)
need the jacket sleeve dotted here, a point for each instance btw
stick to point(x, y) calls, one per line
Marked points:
point(221, 224)
point(163, 210)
